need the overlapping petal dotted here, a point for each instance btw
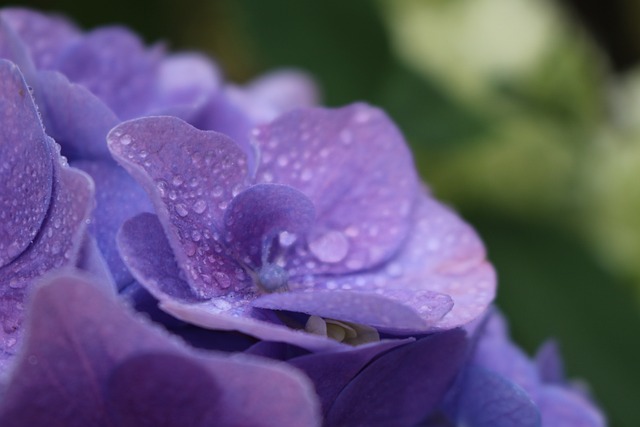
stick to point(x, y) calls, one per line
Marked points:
point(415, 266)
point(26, 173)
point(82, 343)
point(353, 165)
point(190, 176)
point(51, 201)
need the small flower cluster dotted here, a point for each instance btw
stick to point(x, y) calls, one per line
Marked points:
point(176, 250)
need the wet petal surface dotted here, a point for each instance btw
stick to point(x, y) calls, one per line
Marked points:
point(257, 217)
point(190, 176)
point(26, 168)
point(353, 164)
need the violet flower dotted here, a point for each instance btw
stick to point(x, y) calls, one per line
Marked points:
point(88, 361)
point(325, 218)
point(313, 226)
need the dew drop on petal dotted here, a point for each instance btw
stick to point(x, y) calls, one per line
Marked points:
point(330, 247)
point(287, 239)
point(125, 140)
point(181, 210)
point(217, 191)
point(177, 180)
point(199, 206)
point(223, 280)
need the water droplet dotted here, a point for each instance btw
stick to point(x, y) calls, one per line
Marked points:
point(181, 210)
point(189, 248)
point(126, 140)
point(223, 205)
point(287, 239)
point(330, 247)
point(217, 191)
point(199, 206)
point(177, 180)
point(223, 280)
point(162, 188)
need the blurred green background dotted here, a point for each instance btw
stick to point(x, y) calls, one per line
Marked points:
point(523, 114)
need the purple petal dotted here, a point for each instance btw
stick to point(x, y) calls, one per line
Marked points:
point(403, 386)
point(208, 315)
point(90, 259)
point(272, 94)
point(190, 176)
point(146, 252)
point(355, 166)
point(45, 35)
point(497, 353)
point(114, 65)
point(118, 198)
point(13, 48)
point(163, 389)
point(256, 216)
point(332, 371)
point(186, 82)
point(357, 307)
point(83, 343)
point(222, 115)
point(26, 175)
point(75, 117)
point(56, 246)
point(562, 407)
point(442, 258)
point(489, 400)
point(549, 363)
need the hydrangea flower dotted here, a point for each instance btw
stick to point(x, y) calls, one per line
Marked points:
point(325, 218)
point(308, 240)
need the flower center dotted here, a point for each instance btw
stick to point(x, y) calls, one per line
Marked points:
point(272, 278)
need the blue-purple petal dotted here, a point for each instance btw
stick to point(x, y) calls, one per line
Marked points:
point(190, 177)
point(353, 164)
point(256, 217)
point(80, 344)
point(489, 400)
point(115, 66)
point(403, 386)
point(75, 117)
point(118, 198)
point(26, 174)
